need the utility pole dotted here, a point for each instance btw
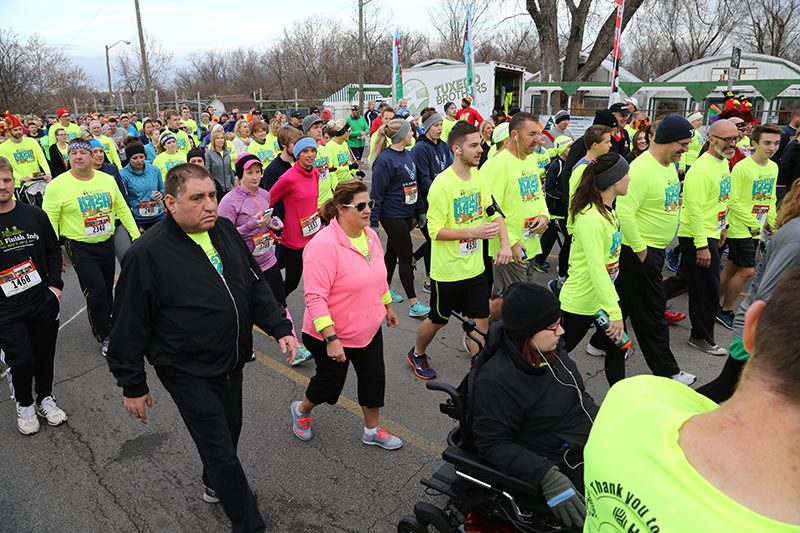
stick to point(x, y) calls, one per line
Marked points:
point(361, 52)
point(145, 70)
point(108, 69)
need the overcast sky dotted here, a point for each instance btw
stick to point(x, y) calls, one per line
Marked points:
point(82, 28)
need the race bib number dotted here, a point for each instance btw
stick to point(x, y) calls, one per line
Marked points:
point(468, 247)
point(19, 278)
point(760, 212)
point(148, 208)
point(97, 226)
point(411, 194)
point(613, 271)
point(527, 230)
point(311, 224)
point(262, 243)
point(722, 220)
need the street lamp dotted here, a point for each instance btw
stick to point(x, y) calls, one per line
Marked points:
point(108, 68)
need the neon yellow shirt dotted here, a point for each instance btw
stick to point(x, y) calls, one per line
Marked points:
point(26, 158)
point(649, 213)
point(753, 199)
point(183, 141)
point(84, 210)
point(517, 188)
point(326, 180)
point(73, 132)
point(690, 156)
point(637, 476)
point(165, 161)
point(263, 151)
point(204, 241)
point(447, 125)
point(276, 148)
point(191, 125)
point(574, 181)
point(110, 148)
point(706, 189)
point(631, 131)
point(457, 204)
point(339, 155)
point(593, 265)
point(542, 160)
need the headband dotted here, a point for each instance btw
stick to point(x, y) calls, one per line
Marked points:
point(609, 177)
point(133, 149)
point(338, 133)
point(430, 121)
point(302, 144)
point(92, 123)
point(80, 146)
point(96, 144)
point(165, 137)
point(401, 133)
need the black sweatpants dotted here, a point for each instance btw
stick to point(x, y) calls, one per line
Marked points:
point(563, 257)
point(575, 328)
point(641, 295)
point(211, 408)
point(272, 275)
point(424, 251)
point(293, 263)
point(398, 247)
point(327, 383)
point(94, 265)
point(703, 286)
point(28, 341)
point(555, 233)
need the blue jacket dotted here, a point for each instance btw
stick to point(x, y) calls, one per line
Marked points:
point(394, 183)
point(149, 152)
point(432, 160)
point(140, 187)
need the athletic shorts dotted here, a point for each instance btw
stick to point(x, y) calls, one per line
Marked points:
point(505, 275)
point(470, 297)
point(742, 252)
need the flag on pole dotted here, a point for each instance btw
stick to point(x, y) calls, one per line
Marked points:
point(614, 98)
point(398, 68)
point(469, 56)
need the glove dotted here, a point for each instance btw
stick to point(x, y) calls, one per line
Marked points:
point(360, 174)
point(423, 221)
point(354, 166)
point(563, 499)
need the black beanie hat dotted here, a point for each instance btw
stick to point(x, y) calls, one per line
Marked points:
point(195, 152)
point(605, 117)
point(528, 309)
point(673, 128)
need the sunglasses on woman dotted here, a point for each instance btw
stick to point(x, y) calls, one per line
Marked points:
point(360, 206)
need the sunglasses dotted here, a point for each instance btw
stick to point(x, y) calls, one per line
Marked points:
point(361, 205)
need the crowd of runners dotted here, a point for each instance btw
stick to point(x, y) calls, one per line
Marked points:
point(252, 208)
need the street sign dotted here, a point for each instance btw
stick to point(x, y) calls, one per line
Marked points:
point(736, 58)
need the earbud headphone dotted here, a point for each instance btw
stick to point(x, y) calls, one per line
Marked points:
point(458, 150)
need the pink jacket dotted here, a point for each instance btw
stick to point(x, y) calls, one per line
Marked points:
point(299, 190)
point(339, 282)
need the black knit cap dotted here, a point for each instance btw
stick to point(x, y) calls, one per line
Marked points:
point(195, 152)
point(605, 117)
point(528, 309)
point(673, 128)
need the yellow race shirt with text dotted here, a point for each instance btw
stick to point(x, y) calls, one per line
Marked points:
point(753, 199)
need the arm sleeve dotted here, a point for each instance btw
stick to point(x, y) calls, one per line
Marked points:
point(772, 214)
point(114, 154)
point(694, 193)
point(627, 207)
point(380, 183)
point(318, 278)
point(124, 213)
point(40, 158)
point(51, 205)
point(493, 427)
point(53, 250)
point(437, 210)
point(590, 234)
point(422, 160)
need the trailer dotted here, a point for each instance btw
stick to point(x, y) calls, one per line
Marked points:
point(435, 82)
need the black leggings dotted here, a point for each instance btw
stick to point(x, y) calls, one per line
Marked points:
point(293, 263)
point(273, 277)
point(398, 246)
point(575, 328)
point(424, 251)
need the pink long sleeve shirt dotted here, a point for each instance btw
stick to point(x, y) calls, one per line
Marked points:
point(299, 190)
point(341, 283)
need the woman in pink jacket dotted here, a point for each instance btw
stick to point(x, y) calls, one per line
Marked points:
point(347, 298)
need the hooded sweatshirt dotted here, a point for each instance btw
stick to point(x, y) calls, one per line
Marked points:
point(299, 189)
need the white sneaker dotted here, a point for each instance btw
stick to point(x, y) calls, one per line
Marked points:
point(27, 422)
point(104, 346)
point(593, 350)
point(49, 410)
point(685, 378)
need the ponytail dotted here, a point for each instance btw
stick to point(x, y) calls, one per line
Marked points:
point(587, 192)
point(384, 135)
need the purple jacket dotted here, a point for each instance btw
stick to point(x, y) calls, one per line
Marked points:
point(241, 207)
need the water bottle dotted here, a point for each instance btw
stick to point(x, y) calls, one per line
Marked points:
point(601, 317)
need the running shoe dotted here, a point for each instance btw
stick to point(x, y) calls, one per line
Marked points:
point(466, 342)
point(301, 424)
point(725, 318)
point(554, 287)
point(419, 309)
point(210, 496)
point(48, 410)
point(383, 439)
point(685, 378)
point(104, 346)
point(673, 316)
point(673, 259)
point(595, 351)
point(302, 356)
point(426, 287)
point(541, 267)
point(705, 346)
point(396, 298)
point(27, 422)
point(420, 364)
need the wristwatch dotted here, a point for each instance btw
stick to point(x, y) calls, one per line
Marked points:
point(330, 339)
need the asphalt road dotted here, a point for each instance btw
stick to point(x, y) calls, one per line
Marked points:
point(106, 471)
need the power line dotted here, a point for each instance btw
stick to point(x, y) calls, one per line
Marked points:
point(86, 25)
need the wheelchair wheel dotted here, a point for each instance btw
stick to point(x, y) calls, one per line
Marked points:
point(410, 525)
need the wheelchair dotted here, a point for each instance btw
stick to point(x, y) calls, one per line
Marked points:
point(480, 498)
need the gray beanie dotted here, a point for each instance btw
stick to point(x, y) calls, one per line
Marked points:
point(309, 121)
point(561, 115)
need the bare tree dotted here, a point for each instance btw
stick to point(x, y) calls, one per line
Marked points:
point(206, 72)
point(448, 19)
point(129, 71)
point(772, 27)
point(512, 42)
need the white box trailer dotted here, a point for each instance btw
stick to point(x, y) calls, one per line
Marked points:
point(438, 81)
